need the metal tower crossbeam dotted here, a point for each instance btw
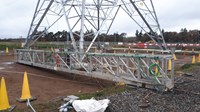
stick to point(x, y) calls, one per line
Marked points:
point(133, 69)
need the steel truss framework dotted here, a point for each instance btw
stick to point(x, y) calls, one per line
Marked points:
point(133, 69)
point(99, 16)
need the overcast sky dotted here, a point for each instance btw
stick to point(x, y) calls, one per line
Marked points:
point(16, 16)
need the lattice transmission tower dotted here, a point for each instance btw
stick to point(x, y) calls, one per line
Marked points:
point(98, 15)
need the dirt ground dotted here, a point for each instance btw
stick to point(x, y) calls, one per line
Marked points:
point(47, 85)
point(44, 84)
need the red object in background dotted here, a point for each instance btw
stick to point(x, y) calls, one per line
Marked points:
point(140, 45)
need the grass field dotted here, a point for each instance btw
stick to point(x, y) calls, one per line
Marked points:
point(10, 45)
point(38, 45)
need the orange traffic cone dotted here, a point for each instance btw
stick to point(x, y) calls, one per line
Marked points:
point(4, 103)
point(193, 59)
point(25, 90)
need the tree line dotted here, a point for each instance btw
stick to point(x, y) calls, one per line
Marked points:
point(89, 35)
point(184, 36)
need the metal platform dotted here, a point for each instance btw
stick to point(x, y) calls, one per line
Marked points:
point(133, 69)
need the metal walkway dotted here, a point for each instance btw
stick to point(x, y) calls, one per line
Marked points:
point(144, 70)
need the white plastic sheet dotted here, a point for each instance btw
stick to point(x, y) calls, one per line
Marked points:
point(90, 105)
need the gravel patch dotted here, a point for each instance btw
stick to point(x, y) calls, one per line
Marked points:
point(185, 97)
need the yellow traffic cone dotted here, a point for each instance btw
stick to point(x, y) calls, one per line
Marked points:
point(25, 90)
point(192, 50)
point(129, 50)
point(199, 58)
point(4, 103)
point(7, 51)
point(0, 91)
point(169, 65)
point(95, 49)
point(174, 57)
point(193, 59)
point(156, 70)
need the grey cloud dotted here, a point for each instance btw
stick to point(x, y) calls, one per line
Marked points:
point(177, 14)
point(16, 15)
point(15, 18)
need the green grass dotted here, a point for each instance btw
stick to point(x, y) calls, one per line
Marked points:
point(38, 45)
point(188, 66)
point(104, 92)
point(10, 45)
point(185, 68)
point(44, 46)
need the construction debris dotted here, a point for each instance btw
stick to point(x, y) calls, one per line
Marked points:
point(65, 107)
point(71, 97)
point(90, 105)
